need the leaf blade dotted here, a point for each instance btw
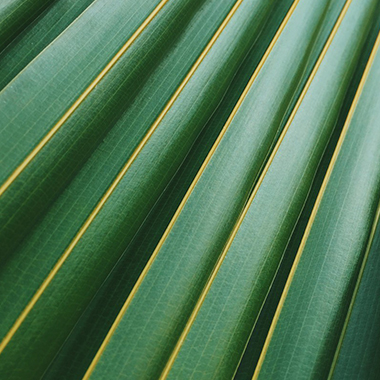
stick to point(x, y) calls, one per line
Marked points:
point(310, 366)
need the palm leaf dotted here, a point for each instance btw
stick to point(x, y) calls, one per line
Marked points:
point(78, 250)
point(86, 338)
point(339, 266)
point(37, 36)
point(222, 210)
point(262, 325)
point(189, 189)
point(249, 262)
point(359, 343)
point(15, 15)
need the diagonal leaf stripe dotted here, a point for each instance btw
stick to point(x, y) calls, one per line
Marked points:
point(26, 312)
point(359, 348)
point(47, 242)
point(316, 208)
point(164, 236)
point(189, 189)
point(356, 290)
point(36, 188)
point(235, 230)
point(187, 195)
point(15, 15)
point(228, 313)
point(34, 39)
point(86, 338)
point(121, 174)
point(259, 332)
point(8, 182)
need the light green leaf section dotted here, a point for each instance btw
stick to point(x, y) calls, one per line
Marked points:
point(219, 334)
point(255, 345)
point(38, 35)
point(15, 15)
point(322, 281)
point(168, 292)
point(87, 336)
point(360, 350)
point(77, 56)
point(88, 260)
point(51, 237)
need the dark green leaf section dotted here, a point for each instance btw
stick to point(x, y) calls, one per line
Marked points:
point(227, 316)
point(50, 237)
point(113, 235)
point(33, 191)
point(83, 343)
point(15, 15)
point(38, 35)
point(170, 289)
point(311, 320)
point(262, 325)
point(91, 260)
point(359, 354)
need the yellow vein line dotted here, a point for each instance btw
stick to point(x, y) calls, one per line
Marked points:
point(356, 289)
point(114, 184)
point(186, 197)
point(235, 230)
point(315, 210)
point(8, 182)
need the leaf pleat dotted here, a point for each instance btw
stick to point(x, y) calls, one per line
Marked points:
point(37, 36)
point(61, 151)
point(81, 259)
point(208, 216)
point(262, 325)
point(15, 15)
point(360, 348)
point(227, 314)
point(311, 314)
point(189, 189)
point(59, 227)
point(85, 339)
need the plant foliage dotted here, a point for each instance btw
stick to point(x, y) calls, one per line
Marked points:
point(189, 189)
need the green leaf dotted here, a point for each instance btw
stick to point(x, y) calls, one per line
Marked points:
point(86, 262)
point(226, 316)
point(87, 336)
point(173, 279)
point(359, 352)
point(15, 15)
point(37, 36)
point(49, 134)
point(262, 325)
point(189, 189)
point(311, 313)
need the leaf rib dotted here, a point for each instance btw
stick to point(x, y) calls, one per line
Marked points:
point(315, 209)
point(6, 77)
point(188, 193)
point(355, 292)
point(238, 223)
point(9, 181)
point(116, 181)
